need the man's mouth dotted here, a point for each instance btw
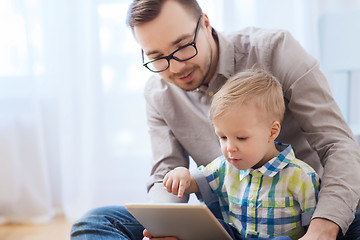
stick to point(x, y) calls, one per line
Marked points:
point(187, 77)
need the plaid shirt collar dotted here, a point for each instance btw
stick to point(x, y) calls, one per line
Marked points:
point(273, 166)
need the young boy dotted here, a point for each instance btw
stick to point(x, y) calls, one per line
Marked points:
point(263, 190)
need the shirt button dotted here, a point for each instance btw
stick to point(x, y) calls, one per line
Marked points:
point(251, 205)
point(211, 93)
point(279, 202)
point(255, 180)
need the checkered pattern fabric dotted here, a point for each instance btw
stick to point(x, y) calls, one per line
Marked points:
point(275, 199)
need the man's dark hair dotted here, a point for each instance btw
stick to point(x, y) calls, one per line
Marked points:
point(142, 11)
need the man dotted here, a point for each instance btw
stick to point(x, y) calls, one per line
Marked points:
point(192, 62)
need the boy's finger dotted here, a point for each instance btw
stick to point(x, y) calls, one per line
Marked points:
point(175, 187)
point(170, 186)
point(181, 190)
point(165, 180)
point(146, 233)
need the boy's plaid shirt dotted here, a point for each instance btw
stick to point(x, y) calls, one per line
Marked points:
point(276, 199)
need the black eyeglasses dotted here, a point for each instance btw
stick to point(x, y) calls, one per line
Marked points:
point(182, 54)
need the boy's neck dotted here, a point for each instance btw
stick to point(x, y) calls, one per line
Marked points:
point(273, 152)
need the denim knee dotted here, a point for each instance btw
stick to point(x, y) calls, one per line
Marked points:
point(113, 222)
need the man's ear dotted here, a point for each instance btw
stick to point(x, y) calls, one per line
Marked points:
point(274, 131)
point(207, 24)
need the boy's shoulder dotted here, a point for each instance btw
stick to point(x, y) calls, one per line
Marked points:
point(300, 165)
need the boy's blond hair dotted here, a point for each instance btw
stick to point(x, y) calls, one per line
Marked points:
point(255, 86)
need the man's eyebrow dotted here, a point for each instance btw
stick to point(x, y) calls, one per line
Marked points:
point(173, 43)
point(152, 52)
point(181, 38)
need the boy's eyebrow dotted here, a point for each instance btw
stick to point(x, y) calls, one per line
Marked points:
point(173, 43)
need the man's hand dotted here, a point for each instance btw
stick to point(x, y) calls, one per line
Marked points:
point(148, 236)
point(321, 229)
point(177, 181)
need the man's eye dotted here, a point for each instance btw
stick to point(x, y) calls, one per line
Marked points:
point(154, 57)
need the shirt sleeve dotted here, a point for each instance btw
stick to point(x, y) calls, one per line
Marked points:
point(206, 194)
point(167, 151)
point(210, 179)
point(308, 99)
point(214, 173)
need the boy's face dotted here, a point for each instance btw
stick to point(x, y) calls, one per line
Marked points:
point(246, 136)
point(172, 29)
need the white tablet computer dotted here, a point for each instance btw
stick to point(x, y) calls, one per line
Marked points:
point(184, 221)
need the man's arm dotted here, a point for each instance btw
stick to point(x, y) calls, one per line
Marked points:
point(310, 103)
point(321, 229)
point(167, 151)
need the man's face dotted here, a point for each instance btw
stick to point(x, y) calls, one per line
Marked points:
point(172, 29)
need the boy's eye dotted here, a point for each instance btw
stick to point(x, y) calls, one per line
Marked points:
point(241, 138)
point(223, 138)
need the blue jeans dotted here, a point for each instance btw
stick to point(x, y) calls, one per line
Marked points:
point(115, 222)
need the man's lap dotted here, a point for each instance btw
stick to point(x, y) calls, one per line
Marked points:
point(115, 222)
point(107, 223)
point(353, 232)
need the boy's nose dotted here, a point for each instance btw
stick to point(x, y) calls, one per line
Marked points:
point(231, 147)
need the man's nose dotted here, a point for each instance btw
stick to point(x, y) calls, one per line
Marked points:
point(176, 66)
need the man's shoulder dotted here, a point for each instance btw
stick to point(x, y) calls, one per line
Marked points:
point(154, 82)
point(159, 91)
point(256, 32)
point(154, 85)
point(258, 36)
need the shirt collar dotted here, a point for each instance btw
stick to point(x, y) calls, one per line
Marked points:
point(226, 55)
point(273, 166)
point(225, 67)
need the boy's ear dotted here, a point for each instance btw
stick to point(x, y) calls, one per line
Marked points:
point(275, 130)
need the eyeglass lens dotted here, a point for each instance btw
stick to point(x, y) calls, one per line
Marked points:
point(181, 54)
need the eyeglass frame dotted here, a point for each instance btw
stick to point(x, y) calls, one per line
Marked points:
point(171, 56)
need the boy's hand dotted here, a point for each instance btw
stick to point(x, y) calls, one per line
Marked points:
point(177, 181)
point(148, 236)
